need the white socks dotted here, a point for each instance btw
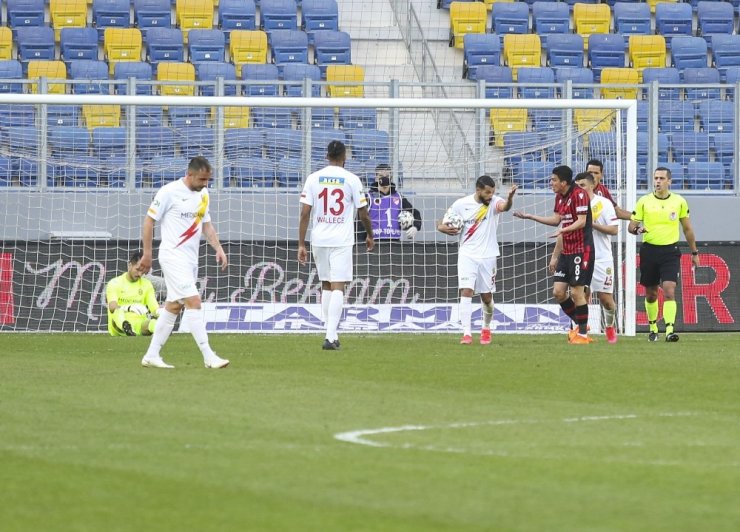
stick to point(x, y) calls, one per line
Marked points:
point(325, 301)
point(487, 314)
point(466, 311)
point(609, 317)
point(194, 320)
point(165, 324)
point(334, 313)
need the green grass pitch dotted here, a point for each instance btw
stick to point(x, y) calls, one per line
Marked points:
point(528, 433)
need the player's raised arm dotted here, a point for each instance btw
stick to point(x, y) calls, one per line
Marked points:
point(505, 206)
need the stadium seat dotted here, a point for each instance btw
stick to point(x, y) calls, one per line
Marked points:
point(675, 116)
point(510, 17)
point(601, 145)
point(247, 46)
point(25, 13)
point(108, 141)
point(69, 140)
point(664, 76)
point(211, 71)
point(288, 46)
point(194, 15)
point(331, 48)
point(10, 70)
point(319, 15)
point(17, 116)
point(110, 14)
point(168, 71)
point(6, 43)
point(63, 115)
point(703, 76)
point(135, 69)
point(732, 77)
point(320, 139)
point(590, 19)
point(505, 121)
point(725, 52)
point(716, 116)
point(518, 147)
point(300, 72)
point(550, 17)
point(522, 51)
point(206, 45)
point(534, 174)
point(272, 117)
point(236, 15)
point(152, 14)
point(466, 17)
point(35, 44)
point(689, 52)
point(673, 19)
point(183, 117)
point(345, 74)
point(593, 120)
point(643, 147)
point(83, 171)
point(244, 142)
point(260, 74)
point(164, 44)
point(156, 141)
point(289, 172)
point(646, 51)
point(724, 148)
point(195, 140)
point(122, 45)
point(369, 144)
point(85, 71)
point(578, 77)
point(236, 116)
point(619, 76)
point(565, 50)
point(643, 108)
point(493, 76)
point(101, 115)
point(23, 140)
point(51, 70)
point(605, 51)
point(321, 117)
point(278, 15)
point(478, 50)
point(631, 18)
point(163, 169)
point(252, 172)
point(703, 175)
point(281, 143)
point(536, 75)
point(544, 120)
point(67, 14)
point(714, 17)
point(351, 118)
point(7, 172)
point(79, 43)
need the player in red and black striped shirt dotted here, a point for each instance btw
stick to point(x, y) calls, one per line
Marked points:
point(574, 250)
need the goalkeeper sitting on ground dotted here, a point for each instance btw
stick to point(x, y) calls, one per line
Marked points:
point(132, 305)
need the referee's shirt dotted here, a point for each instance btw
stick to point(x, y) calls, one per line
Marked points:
point(661, 217)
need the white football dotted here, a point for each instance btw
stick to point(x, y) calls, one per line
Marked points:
point(453, 220)
point(138, 309)
point(405, 219)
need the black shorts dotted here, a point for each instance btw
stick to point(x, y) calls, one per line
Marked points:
point(659, 264)
point(576, 269)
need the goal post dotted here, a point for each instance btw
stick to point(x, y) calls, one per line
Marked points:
point(64, 239)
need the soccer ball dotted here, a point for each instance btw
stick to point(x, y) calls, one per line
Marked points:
point(453, 220)
point(405, 219)
point(138, 309)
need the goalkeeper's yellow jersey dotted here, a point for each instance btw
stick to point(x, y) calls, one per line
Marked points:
point(125, 292)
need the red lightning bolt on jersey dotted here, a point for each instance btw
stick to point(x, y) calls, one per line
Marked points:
point(478, 218)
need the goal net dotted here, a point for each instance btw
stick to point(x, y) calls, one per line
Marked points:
point(79, 171)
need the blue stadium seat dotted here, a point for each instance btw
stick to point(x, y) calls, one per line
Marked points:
point(536, 75)
point(149, 116)
point(321, 117)
point(732, 77)
point(78, 43)
point(724, 148)
point(110, 14)
point(10, 70)
point(370, 143)
point(319, 15)
point(350, 118)
point(152, 14)
point(690, 146)
point(550, 17)
point(578, 76)
point(85, 71)
point(155, 141)
point(195, 140)
point(253, 172)
point(664, 76)
point(80, 172)
point(163, 169)
point(289, 170)
point(63, 115)
point(703, 175)
point(534, 174)
point(726, 52)
point(164, 44)
point(272, 117)
point(184, 118)
point(544, 120)
point(643, 145)
point(7, 171)
point(520, 147)
point(702, 76)
point(605, 50)
point(17, 116)
point(22, 140)
point(675, 116)
point(113, 170)
point(673, 19)
point(206, 46)
point(289, 46)
point(332, 48)
point(278, 15)
point(25, 13)
point(714, 17)
point(236, 15)
point(260, 73)
point(480, 49)
point(643, 108)
point(631, 18)
point(133, 69)
point(281, 143)
point(601, 145)
point(565, 50)
point(211, 71)
point(68, 141)
point(300, 72)
point(320, 140)
point(717, 116)
point(108, 141)
point(35, 43)
point(244, 142)
point(493, 75)
point(509, 17)
point(689, 52)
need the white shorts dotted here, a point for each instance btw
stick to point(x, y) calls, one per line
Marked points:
point(476, 274)
point(180, 279)
point(603, 277)
point(334, 264)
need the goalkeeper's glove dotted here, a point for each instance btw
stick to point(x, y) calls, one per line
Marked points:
point(411, 232)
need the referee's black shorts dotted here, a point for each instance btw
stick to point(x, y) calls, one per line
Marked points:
point(659, 264)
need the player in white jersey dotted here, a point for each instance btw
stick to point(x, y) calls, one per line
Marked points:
point(328, 201)
point(181, 207)
point(478, 251)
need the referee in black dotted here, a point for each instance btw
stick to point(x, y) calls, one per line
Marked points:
point(657, 218)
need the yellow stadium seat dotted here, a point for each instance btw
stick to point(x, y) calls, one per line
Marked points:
point(647, 51)
point(6, 43)
point(619, 76)
point(591, 18)
point(522, 51)
point(652, 3)
point(122, 44)
point(593, 120)
point(247, 46)
point(101, 115)
point(52, 70)
point(466, 17)
point(505, 121)
point(67, 14)
point(235, 117)
point(194, 15)
point(176, 72)
point(345, 73)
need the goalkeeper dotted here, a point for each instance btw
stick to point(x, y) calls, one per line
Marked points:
point(385, 204)
point(132, 305)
